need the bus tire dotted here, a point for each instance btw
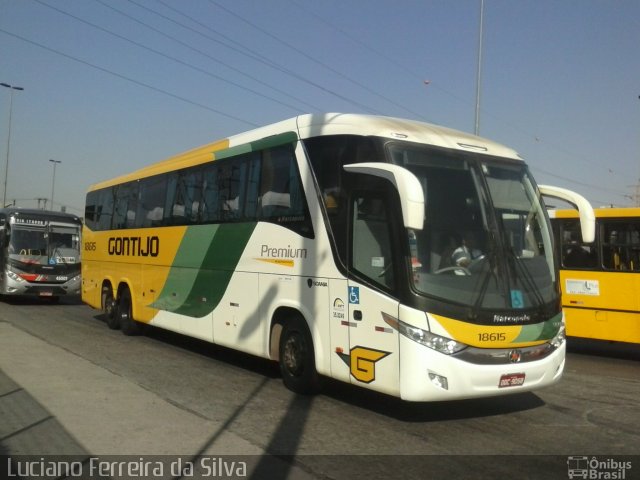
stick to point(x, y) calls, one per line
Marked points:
point(109, 307)
point(297, 358)
point(127, 324)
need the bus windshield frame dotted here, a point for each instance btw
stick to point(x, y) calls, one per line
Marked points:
point(51, 245)
point(486, 244)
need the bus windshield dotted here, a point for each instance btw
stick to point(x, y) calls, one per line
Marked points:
point(486, 242)
point(45, 246)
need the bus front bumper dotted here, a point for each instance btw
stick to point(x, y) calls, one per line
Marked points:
point(428, 375)
point(16, 286)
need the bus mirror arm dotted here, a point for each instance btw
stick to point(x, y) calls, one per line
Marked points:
point(407, 185)
point(587, 215)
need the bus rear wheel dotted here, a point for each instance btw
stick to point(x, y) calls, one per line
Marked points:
point(109, 307)
point(297, 358)
point(128, 325)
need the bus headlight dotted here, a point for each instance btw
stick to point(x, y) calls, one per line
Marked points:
point(14, 276)
point(440, 344)
point(559, 339)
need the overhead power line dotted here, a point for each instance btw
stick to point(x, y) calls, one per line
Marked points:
point(207, 55)
point(159, 53)
point(246, 52)
point(576, 182)
point(129, 79)
point(316, 61)
point(434, 83)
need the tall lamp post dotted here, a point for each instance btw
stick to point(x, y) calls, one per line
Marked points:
point(53, 181)
point(12, 89)
point(476, 129)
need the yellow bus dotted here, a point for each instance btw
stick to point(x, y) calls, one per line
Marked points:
point(396, 255)
point(600, 281)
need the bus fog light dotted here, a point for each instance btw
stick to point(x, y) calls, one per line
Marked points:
point(439, 381)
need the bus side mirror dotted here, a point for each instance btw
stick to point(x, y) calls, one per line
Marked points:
point(585, 210)
point(407, 185)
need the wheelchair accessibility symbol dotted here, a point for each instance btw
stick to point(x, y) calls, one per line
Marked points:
point(517, 300)
point(354, 294)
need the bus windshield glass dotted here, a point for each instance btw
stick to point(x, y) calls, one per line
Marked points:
point(52, 245)
point(486, 242)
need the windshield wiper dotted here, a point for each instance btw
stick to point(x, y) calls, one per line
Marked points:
point(55, 250)
point(526, 275)
point(494, 265)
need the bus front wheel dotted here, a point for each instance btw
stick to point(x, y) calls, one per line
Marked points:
point(297, 359)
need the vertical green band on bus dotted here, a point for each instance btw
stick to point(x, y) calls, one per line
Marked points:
point(540, 331)
point(202, 268)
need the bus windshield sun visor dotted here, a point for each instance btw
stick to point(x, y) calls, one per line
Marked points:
point(407, 185)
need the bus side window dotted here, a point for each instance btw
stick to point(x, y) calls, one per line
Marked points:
point(253, 186)
point(153, 191)
point(210, 211)
point(575, 253)
point(634, 237)
point(621, 244)
point(371, 244)
point(231, 185)
point(184, 197)
point(126, 203)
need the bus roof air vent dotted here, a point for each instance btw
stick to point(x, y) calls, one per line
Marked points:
point(477, 148)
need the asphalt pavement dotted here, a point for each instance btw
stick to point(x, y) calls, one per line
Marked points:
point(55, 404)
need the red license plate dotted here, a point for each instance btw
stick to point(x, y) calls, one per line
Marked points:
point(511, 380)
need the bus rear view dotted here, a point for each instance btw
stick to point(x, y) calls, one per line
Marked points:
point(39, 253)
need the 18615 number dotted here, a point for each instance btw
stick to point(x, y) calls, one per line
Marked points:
point(492, 337)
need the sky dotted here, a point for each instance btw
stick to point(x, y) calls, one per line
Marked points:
point(113, 85)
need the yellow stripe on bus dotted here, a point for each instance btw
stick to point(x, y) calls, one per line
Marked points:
point(486, 336)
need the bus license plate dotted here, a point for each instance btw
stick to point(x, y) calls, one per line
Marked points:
point(511, 380)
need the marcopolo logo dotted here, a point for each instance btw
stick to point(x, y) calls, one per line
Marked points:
point(596, 468)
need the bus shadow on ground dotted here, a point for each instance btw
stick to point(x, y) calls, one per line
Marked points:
point(35, 300)
point(354, 395)
point(261, 366)
point(603, 348)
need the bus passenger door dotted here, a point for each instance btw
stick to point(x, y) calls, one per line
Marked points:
point(374, 354)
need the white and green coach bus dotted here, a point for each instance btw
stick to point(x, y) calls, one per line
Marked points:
point(335, 244)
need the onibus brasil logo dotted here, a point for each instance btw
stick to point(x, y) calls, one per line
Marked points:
point(595, 468)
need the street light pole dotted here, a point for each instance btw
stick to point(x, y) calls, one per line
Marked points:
point(12, 88)
point(53, 182)
point(476, 129)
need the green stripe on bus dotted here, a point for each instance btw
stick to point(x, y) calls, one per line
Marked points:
point(204, 264)
point(540, 331)
point(262, 144)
